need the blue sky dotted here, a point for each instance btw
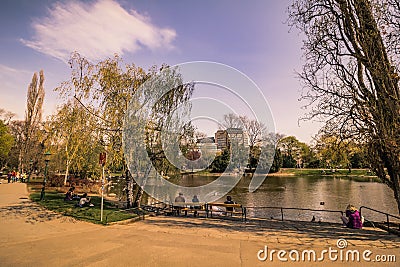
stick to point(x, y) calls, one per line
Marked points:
point(250, 36)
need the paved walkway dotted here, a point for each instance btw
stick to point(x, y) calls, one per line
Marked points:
point(33, 236)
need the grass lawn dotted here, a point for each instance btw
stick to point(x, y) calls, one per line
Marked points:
point(55, 201)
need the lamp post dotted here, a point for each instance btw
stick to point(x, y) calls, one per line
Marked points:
point(30, 170)
point(102, 162)
point(46, 160)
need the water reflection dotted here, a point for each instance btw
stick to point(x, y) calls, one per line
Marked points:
point(303, 192)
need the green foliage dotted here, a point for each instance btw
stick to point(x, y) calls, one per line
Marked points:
point(262, 163)
point(315, 163)
point(6, 142)
point(278, 161)
point(16, 129)
point(220, 162)
point(294, 152)
point(288, 161)
point(104, 91)
point(359, 159)
point(76, 140)
point(334, 152)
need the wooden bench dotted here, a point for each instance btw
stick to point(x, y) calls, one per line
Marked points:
point(192, 207)
point(237, 209)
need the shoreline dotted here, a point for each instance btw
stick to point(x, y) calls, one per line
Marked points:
point(293, 172)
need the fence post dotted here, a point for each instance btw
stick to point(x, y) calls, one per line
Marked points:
point(388, 226)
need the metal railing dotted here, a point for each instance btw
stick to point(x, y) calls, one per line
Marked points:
point(384, 213)
point(282, 209)
point(282, 214)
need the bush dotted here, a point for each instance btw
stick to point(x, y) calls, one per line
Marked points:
point(314, 164)
point(55, 181)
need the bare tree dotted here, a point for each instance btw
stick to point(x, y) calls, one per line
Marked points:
point(231, 120)
point(6, 116)
point(351, 72)
point(255, 129)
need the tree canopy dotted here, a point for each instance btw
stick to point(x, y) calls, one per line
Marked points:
point(6, 143)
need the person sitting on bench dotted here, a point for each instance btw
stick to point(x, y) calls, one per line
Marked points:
point(179, 199)
point(229, 201)
point(195, 200)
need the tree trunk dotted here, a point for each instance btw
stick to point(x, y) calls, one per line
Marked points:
point(393, 168)
point(66, 173)
point(384, 107)
point(140, 191)
point(351, 62)
point(20, 159)
point(138, 197)
point(386, 165)
point(395, 178)
point(129, 189)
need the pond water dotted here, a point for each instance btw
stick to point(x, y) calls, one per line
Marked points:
point(311, 192)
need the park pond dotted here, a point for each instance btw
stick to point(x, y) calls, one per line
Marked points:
point(310, 192)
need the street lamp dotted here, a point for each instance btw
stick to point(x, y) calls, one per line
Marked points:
point(30, 169)
point(46, 159)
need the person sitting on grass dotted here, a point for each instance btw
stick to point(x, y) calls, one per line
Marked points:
point(69, 196)
point(85, 201)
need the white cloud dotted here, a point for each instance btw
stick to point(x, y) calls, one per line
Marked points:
point(96, 30)
point(13, 87)
point(10, 77)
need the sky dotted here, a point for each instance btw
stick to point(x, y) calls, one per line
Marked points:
point(250, 36)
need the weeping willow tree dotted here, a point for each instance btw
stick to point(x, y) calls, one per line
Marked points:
point(106, 89)
point(154, 123)
point(351, 74)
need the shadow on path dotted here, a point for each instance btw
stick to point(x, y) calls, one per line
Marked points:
point(32, 212)
point(289, 229)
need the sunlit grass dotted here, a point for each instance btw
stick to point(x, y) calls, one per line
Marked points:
point(55, 202)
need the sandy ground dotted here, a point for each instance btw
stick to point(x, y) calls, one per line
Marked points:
point(33, 236)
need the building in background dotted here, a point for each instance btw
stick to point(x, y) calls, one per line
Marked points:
point(221, 139)
point(224, 138)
